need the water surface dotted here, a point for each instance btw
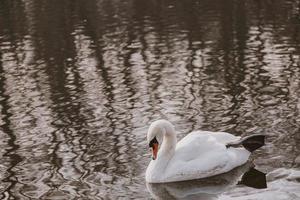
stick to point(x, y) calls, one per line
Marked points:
point(80, 81)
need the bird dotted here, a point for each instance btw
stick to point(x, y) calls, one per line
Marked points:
point(199, 154)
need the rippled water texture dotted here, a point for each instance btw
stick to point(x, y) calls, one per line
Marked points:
point(80, 81)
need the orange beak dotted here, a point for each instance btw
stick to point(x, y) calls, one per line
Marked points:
point(154, 151)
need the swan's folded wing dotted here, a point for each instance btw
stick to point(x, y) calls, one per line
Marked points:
point(204, 166)
point(201, 136)
point(202, 155)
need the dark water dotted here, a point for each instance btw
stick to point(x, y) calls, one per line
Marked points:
point(80, 81)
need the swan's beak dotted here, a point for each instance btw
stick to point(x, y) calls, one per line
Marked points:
point(154, 151)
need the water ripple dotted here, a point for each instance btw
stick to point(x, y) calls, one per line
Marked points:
point(81, 81)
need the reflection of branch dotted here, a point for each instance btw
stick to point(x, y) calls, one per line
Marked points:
point(10, 152)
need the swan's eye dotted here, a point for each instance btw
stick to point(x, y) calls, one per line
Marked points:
point(153, 141)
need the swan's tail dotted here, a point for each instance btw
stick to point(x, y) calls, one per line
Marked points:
point(251, 143)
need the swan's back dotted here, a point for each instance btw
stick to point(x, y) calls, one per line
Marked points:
point(202, 153)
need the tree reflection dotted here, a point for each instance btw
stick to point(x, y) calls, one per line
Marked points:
point(80, 81)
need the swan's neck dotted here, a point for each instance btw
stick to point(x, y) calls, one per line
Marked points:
point(168, 146)
point(156, 169)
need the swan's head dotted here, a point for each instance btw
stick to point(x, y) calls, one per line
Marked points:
point(155, 135)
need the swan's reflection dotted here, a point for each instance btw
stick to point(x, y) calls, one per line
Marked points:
point(209, 188)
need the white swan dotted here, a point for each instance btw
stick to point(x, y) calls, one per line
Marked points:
point(199, 154)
